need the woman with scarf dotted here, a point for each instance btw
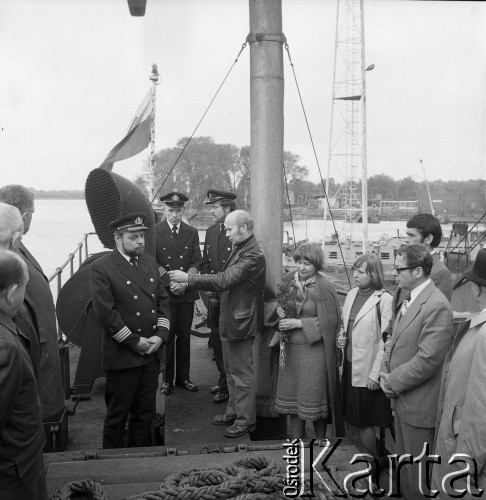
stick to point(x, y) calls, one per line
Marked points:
point(307, 383)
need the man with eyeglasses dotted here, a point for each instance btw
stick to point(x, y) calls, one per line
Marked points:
point(412, 365)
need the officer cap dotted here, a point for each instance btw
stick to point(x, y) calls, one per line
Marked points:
point(174, 199)
point(216, 195)
point(130, 222)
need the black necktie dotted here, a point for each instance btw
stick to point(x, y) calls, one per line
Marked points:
point(134, 262)
point(174, 230)
point(221, 228)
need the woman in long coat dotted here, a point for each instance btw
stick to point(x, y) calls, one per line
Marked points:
point(307, 384)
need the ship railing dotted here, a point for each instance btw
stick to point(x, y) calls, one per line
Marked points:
point(80, 254)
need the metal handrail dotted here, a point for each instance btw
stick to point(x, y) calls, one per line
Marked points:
point(70, 261)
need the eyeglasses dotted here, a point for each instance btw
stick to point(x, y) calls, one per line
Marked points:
point(398, 269)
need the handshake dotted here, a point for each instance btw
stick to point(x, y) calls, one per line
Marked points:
point(178, 282)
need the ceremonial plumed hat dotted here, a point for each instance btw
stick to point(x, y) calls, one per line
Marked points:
point(477, 272)
point(217, 195)
point(130, 222)
point(174, 199)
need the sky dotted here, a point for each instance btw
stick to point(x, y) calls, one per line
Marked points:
point(73, 73)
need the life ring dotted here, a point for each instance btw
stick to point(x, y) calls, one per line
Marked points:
point(384, 239)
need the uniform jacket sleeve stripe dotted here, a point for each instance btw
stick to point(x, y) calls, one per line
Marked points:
point(163, 322)
point(122, 334)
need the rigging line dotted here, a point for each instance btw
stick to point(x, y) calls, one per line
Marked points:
point(317, 162)
point(290, 208)
point(199, 123)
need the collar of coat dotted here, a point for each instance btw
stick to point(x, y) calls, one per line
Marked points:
point(370, 303)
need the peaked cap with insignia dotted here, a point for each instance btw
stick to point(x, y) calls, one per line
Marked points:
point(217, 195)
point(174, 199)
point(130, 222)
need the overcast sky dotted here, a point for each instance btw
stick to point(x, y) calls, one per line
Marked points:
point(73, 72)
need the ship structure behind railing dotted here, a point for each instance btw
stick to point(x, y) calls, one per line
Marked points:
point(77, 254)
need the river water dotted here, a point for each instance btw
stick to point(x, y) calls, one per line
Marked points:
point(59, 225)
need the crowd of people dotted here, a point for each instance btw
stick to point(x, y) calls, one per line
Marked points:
point(382, 360)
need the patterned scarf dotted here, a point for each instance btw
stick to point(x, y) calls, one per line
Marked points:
point(302, 289)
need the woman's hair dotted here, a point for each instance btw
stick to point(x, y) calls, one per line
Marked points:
point(311, 252)
point(374, 269)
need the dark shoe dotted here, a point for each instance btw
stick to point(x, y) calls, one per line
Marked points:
point(188, 386)
point(214, 389)
point(167, 388)
point(224, 419)
point(238, 430)
point(220, 397)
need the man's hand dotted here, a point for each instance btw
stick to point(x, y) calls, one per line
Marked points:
point(178, 276)
point(177, 288)
point(385, 385)
point(154, 342)
point(143, 346)
point(280, 312)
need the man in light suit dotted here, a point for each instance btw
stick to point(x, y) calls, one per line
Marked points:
point(462, 404)
point(242, 281)
point(422, 334)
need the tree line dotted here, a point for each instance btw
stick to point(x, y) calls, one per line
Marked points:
point(206, 164)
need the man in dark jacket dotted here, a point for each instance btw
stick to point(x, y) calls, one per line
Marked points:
point(131, 305)
point(39, 296)
point(177, 247)
point(21, 433)
point(217, 249)
point(242, 282)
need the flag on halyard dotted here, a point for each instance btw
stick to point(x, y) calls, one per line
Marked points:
point(137, 137)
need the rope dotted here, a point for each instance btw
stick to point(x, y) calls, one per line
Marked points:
point(199, 123)
point(75, 488)
point(288, 200)
point(249, 479)
point(317, 160)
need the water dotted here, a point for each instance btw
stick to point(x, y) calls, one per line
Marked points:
point(59, 225)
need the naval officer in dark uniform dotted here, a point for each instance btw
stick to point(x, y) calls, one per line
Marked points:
point(177, 247)
point(217, 249)
point(131, 304)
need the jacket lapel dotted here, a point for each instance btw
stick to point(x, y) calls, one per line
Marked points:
point(136, 275)
point(237, 250)
point(182, 237)
point(368, 305)
point(166, 233)
point(410, 314)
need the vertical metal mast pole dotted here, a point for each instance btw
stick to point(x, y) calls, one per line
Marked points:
point(364, 165)
point(266, 181)
point(267, 130)
point(329, 156)
point(154, 78)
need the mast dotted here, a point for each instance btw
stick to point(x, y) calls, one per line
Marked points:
point(428, 190)
point(155, 79)
point(266, 178)
point(364, 164)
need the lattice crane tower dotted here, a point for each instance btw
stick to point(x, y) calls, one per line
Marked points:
point(347, 142)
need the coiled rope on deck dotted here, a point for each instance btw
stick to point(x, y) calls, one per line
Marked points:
point(243, 480)
point(76, 488)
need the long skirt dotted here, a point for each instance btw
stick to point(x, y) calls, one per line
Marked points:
point(362, 406)
point(302, 384)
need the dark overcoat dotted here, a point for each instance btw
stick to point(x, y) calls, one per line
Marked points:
point(242, 282)
point(51, 391)
point(21, 432)
point(181, 252)
point(128, 303)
